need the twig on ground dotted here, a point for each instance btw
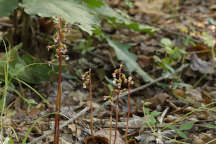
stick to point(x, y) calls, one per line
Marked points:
point(85, 110)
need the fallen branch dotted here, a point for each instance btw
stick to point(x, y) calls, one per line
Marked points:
point(85, 110)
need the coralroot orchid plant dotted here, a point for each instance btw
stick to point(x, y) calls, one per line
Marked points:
point(119, 78)
point(61, 49)
point(88, 81)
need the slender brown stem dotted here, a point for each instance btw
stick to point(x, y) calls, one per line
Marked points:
point(91, 106)
point(117, 103)
point(59, 90)
point(128, 116)
point(111, 112)
point(117, 109)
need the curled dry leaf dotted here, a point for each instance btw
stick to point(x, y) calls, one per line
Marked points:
point(145, 60)
point(201, 66)
point(102, 136)
point(96, 140)
point(158, 99)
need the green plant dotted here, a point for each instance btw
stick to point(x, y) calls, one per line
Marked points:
point(85, 47)
point(151, 121)
point(209, 41)
point(183, 127)
point(173, 55)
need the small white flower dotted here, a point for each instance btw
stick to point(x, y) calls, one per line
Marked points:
point(114, 75)
point(84, 85)
point(130, 78)
point(114, 81)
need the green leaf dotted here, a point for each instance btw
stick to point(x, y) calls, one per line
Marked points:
point(166, 42)
point(7, 6)
point(172, 127)
point(25, 67)
point(211, 126)
point(94, 3)
point(128, 58)
point(181, 134)
point(186, 126)
point(208, 39)
point(155, 113)
point(118, 17)
point(70, 10)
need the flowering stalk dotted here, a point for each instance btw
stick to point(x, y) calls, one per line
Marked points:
point(119, 82)
point(91, 106)
point(60, 50)
point(59, 90)
point(88, 81)
point(111, 112)
point(129, 81)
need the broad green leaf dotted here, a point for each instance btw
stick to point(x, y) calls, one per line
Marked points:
point(70, 10)
point(128, 58)
point(94, 3)
point(7, 6)
point(121, 18)
point(186, 126)
point(25, 67)
point(181, 134)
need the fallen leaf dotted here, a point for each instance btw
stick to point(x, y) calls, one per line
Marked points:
point(158, 99)
point(152, 7)
point(194, 95)
point(207, 99)
point(179, 92)
point(96, 140)
point(200, 65)
point(145, 60)
point(103, 136)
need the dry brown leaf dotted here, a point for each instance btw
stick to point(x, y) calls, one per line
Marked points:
point(145, 60)
point(179, 92)
point(96, 140)
point(158, 99)
point(105, 134)
point(152, 7)
point(207, 99)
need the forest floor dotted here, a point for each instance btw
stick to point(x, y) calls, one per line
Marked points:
point(182, 107)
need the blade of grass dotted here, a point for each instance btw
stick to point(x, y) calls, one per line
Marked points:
point(34, 90)
point(3, 100)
